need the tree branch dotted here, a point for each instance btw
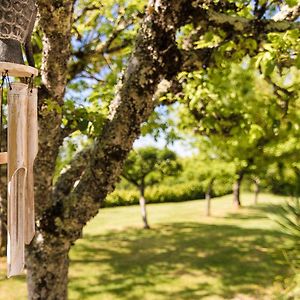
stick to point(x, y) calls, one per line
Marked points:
point(131, 180)
point(155, 57)
point(88, 9)
point(88, 54)
point(55, 21)
point(246, 26)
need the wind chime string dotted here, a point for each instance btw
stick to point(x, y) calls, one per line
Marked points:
point(1, 110)
point(5, 79)
point(8, 80)
point(30, 83)
point(1, 137)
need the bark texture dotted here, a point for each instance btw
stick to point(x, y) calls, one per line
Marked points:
point(47, 256)
point(47, 267)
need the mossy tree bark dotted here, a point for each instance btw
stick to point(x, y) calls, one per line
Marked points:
point(47, 255)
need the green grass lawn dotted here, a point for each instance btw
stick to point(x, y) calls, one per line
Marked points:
point(185, 256)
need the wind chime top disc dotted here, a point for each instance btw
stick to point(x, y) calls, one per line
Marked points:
point(17, 70)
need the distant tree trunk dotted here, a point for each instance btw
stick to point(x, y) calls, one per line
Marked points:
point(237, 190)
point(143, 207)
point(256, 182)
point(208, 197)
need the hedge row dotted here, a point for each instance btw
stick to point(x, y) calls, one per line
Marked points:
point(162, 193)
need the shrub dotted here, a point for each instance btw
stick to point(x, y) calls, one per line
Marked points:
point(163, 193)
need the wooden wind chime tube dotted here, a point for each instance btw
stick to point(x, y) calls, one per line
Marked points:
point(22, 150)
point(17, 170)
point(32, 150)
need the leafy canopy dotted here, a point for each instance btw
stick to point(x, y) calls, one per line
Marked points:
point(147, 166)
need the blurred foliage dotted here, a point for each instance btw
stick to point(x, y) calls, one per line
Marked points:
point(289, 221)
point(243, 117)
point(161, 193)
point(281, 178)
point(149, 165)
point(242, 104)
point(190, 184)
point(203, 170)
point(103, 34)
point(161, 124)
point(157, 194)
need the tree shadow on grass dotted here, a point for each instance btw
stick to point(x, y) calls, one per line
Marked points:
point(213, 260)
point(259, 211)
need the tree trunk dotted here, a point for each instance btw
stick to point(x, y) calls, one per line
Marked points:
point(143, 207)
point(237, 190)
point(47, 265)
point(47, 256)
point(208, 198)
point(256, 190)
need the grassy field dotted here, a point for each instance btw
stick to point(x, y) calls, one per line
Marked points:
point(185, 256)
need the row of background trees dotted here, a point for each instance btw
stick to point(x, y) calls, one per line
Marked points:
point(242, 118)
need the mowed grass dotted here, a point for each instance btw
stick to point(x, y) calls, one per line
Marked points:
point(185, 255)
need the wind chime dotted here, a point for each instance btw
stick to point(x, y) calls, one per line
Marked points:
point(17, 19)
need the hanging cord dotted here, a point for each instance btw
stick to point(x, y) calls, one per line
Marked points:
point(30, 83)
point(1, 108)
point(8, 82)
point(5, 79)
point(1, 117)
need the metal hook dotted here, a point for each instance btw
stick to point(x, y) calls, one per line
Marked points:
point(30, 83)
